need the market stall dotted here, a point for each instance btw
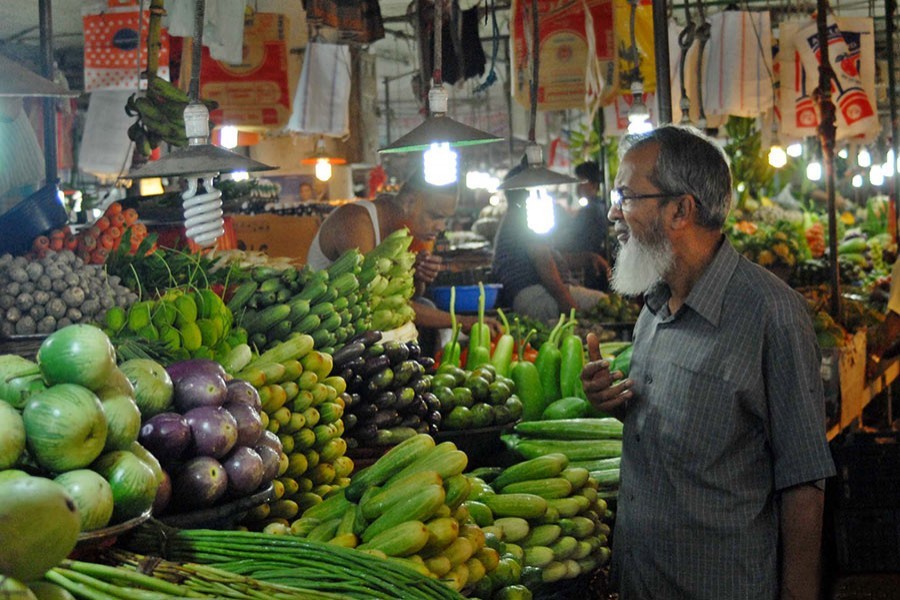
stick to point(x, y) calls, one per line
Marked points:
point(189, 409)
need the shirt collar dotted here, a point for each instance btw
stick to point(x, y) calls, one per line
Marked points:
point(708, 294)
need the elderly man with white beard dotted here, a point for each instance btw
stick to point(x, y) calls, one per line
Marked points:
point(724, 450)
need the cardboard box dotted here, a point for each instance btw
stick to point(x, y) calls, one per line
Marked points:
point(852, 368)
point(276, 235)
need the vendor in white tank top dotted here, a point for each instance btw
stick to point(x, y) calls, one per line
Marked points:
point(421, 207)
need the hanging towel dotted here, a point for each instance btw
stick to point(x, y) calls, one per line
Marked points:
point(223, 26)
point(105, 149)
point(322, 100)
point(856, 114)
point(359, 20)
point(737, 66)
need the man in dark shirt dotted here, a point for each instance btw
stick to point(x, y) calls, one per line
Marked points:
point(588, 230)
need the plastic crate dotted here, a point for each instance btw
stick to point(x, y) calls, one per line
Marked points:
point(868, 470)
point(868, 540)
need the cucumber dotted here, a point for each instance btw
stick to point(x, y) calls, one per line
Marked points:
point(394, 461)
point(542, 467)
point(572, 429)
point(573, 449)
point(417, 507)
point(542, 535)
point(550, 487)
point(526, 506)
point(406, 538)
point(375, 506)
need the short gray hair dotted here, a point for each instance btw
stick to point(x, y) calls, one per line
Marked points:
point(691, 163)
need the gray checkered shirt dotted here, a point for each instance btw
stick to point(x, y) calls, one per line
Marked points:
point(728, 409)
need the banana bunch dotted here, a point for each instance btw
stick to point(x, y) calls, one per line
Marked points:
point(160, 115)
point(386, 279)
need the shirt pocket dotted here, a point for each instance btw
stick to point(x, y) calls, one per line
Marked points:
point(696, 411)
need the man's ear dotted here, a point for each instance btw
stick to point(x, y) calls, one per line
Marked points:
point(683, 211)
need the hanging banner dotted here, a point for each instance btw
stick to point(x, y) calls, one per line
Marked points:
point(115, 45)
point(253, 93)
point(563, 51)
point(851, 50)
point(643, 43)
point(322, 100)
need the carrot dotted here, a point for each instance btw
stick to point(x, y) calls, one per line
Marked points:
point(131, 216)
point(98, 256)
point(107, 241)
point(56, 244)
point(57, 233)
point(115, 232)
point(139, 229)
point(87, 243)
point(113, 209)
point(71, 242)
point(117, 220)
point(94, 231)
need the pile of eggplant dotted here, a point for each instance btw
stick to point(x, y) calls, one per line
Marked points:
point(389, 387)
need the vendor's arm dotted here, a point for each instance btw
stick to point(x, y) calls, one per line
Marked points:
point(348, 226)
point(801, 537)
point(586, 260)
point(542, 257)
point(434, 318)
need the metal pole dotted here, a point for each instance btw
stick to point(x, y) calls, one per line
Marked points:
point(661, 54)
point(827, 129)
point(387, 108)
point(890, 8)
point(49, 104)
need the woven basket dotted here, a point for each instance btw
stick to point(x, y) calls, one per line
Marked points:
point(26, 346)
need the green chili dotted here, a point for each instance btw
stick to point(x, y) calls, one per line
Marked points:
point(479, 337)
point(548, 363)
point(572, 362)
point(451, 353)
point(503, 351)
point(528, 384)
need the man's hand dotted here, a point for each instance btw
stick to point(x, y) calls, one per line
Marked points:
point(599, 383)
point(427, 267)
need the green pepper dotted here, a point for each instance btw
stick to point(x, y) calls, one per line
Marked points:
point(622, 361)
point(503, 351)
point(452, 350)
point(572, 362)
point(479, 337)
point(548, 363)
point(528, 384)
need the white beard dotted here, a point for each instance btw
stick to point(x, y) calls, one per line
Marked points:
point(640, 265)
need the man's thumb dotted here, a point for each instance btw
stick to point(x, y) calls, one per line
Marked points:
point(593, 346)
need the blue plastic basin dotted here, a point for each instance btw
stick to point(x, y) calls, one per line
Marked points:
point(466, 297)
point(33, 216)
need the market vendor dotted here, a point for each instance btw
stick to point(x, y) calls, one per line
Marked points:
point(724, 451)
point(884, 339)
point(419, 206)
point(588, 229)
point(535, 275)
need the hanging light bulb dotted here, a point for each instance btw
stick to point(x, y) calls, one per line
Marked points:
point(794, 150)
point(582, 202)
point(843, 153)
point(857, 181)
point(323, 169)
point(864, 159)
point(777, 156)
point(814, 171)
point(876, 175)
point(638, 114)
point(228, 137)
point(539, 210)
point(322, 162)
point(440, 164)
point(889, 166)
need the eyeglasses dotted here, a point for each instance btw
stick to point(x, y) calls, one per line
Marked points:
point(620, 200)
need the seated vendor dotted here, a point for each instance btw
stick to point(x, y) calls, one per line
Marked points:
point(533, 273)
point(419, 206)
point(884, 340)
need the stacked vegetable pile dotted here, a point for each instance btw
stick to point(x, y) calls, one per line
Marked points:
point(407, 505)
point(94, 244)
point(389, 385)
point(549, 516)
point(475, 399)
point(302, 408)
point(593, 444)
point(45, 294)
point(293, 561)
point(278, 303)
point(186, 323)
point(205, 430)
point(387, 281)
point(72, 416)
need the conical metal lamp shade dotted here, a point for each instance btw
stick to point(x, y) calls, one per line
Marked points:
point(439, 129)
point(535, 176)
point(197, 159)
point(19, 81)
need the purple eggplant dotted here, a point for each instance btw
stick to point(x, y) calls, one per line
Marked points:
point(239, 391)
point(166, 435)
point(181, 368)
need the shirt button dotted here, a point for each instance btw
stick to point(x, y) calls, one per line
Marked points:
point(648, 380)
